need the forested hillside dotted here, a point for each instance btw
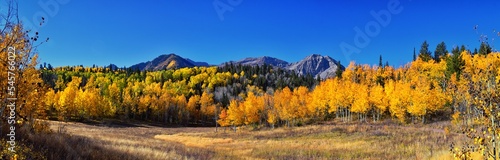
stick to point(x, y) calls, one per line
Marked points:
point(264, 95)
point(182, 96)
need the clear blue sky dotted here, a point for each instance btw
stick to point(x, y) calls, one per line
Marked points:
point(131, 31)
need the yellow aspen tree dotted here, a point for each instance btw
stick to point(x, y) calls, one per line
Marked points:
point(80, 103)
point(182, 112)
point(51, 99)
point(379, 100)
point(346, 98)
point(236, 113)
point(419, 102)
point(223, 118)
point(400, 94)
point(67, 107)
point(144, 105)
point(253, 106)
point(270, 110)
point(129, 101)
point(299, 102)
point(20, 79)
point(207, 106)
point(193, 106)
point(333, 95)
point(319, 100)
point(93, 103)
point(114, 98)
point(350, 72)
point(166, 107)
point(361, 102)
point(282, 104)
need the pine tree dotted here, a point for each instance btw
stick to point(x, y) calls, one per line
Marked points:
point(338, 72)
point(380, 61)
point(414, 54)
point(440, 51)
point(485, 48)
point(454, 64)
point(425, 54)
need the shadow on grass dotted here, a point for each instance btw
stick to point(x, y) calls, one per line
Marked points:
point(59, 145)
point(63, 146)
point(117, 123)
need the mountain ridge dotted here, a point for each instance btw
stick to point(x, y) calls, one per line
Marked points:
point(314, 64)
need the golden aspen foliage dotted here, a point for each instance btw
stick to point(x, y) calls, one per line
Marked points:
point(282, 104)
point(270, 110)
point(299, 102)
point(193, 106)
point(114, 94)
point(19, 78)
point(223, 118)
point(66, 105)
point(253, 106)
point(350, 72)
point(51, 99)
point(182, 113)
point(361, 102)
point(399, 94)
point(319, 99)
point(333, 94)
point(207, 105)
point(378, 98)
point(236, 113)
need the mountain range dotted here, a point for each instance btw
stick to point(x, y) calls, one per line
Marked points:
point(315, 64)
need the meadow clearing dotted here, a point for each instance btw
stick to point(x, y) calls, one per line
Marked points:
point(331, 140)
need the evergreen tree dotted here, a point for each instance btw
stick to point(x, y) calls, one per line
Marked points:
point(455, 50)
point(440, 51)
point(380, 61)
point(454, 64)
point(339, 70)
point(425, 54)
point(463, 48)
point(485, 48)
point(414, 54)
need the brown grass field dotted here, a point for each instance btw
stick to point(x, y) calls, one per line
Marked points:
point(384, 140)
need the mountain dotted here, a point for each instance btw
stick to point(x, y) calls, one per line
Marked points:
point(112, 66)
point(166, 61)
point(260, 61)
point(199, 64)
point(315, 64)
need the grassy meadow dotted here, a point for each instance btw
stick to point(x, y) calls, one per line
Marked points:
point(384, 140)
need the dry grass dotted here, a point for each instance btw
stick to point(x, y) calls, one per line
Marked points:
point(324, 141)
point(134, 142)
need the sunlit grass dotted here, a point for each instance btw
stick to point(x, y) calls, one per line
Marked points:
point(352, 141)
point(322, 141)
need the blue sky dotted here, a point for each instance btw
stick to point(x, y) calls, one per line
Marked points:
point(131, 31)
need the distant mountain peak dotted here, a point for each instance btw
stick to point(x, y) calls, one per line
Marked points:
point(316, 65)
point(314, 55)
point(167, 61)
